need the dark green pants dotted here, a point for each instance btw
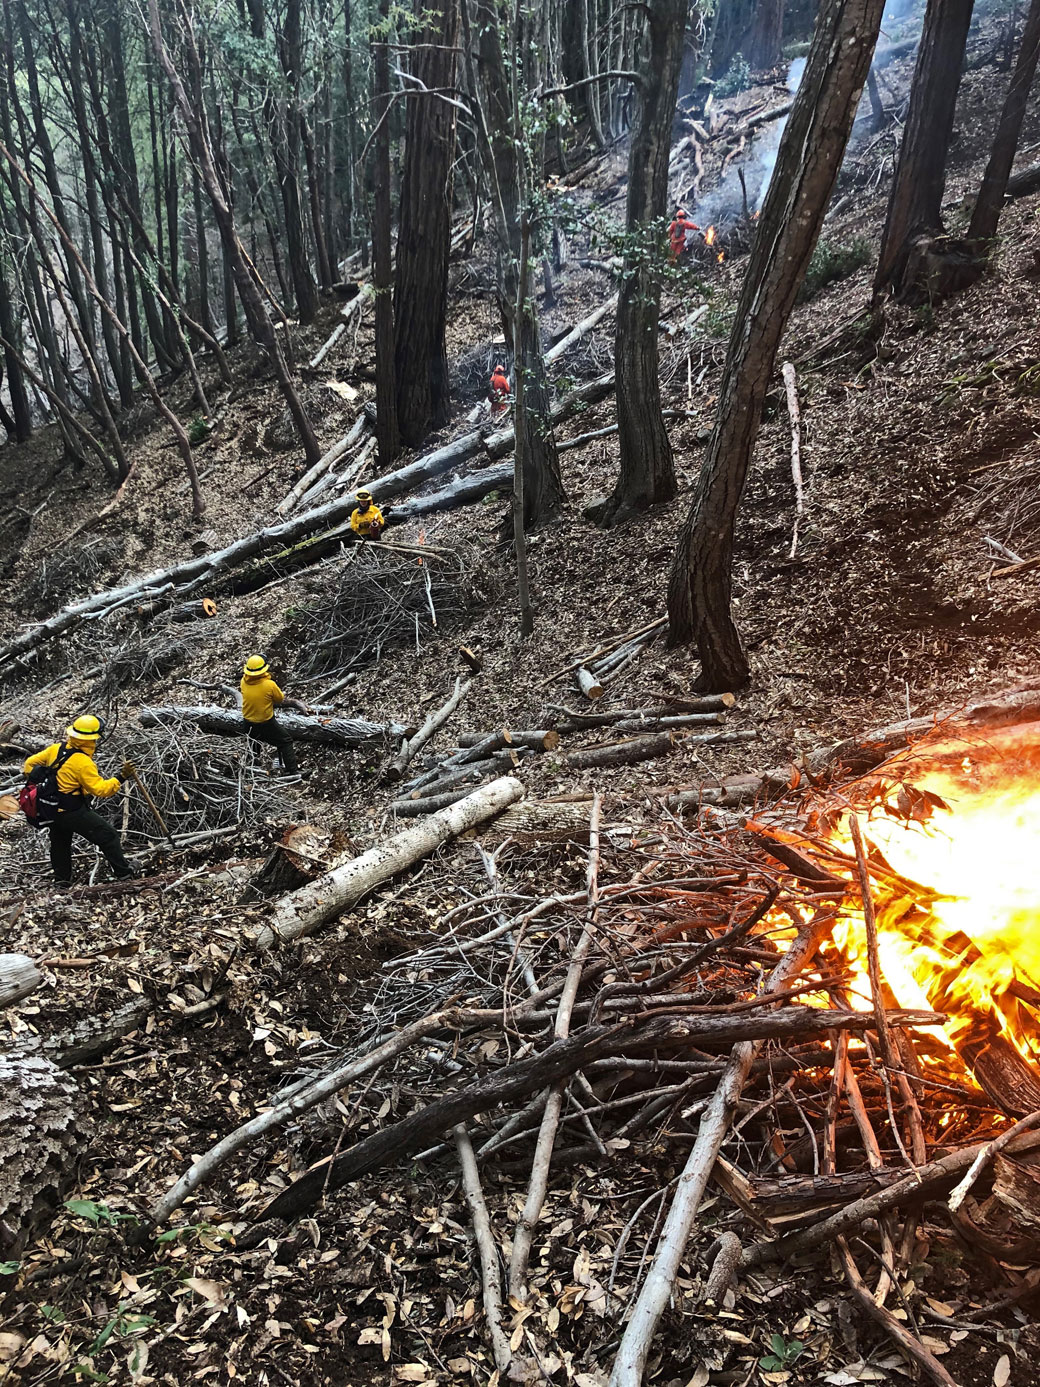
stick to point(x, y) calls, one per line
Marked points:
point(274, 734)
point(86, 824)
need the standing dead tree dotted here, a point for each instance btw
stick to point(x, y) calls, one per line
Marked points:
point(810, 155)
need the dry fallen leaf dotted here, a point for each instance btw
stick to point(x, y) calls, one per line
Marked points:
point(211, 1291)
point(1002, 1371)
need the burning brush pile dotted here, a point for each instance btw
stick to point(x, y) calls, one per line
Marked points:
point(828, 1011)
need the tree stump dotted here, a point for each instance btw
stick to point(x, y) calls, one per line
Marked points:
point(302, 854)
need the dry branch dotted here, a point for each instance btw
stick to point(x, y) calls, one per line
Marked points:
point(795, 414)
point(657, 1288)
point(648, 748)
point(327, 460)
point(559, 1061)
point(411, 746)
point(490, 1277)
point(305, 910)
point(580, 329)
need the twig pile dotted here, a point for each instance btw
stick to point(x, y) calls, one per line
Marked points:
point(382, 599)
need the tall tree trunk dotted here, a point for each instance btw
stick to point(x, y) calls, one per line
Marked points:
point(647, 475)
point(126, 170)
point(915, 202)
point(193, 116)
point(988, 204)
point(12, 336)
point(286, 157)
point(501, 139)
point(201, 253)
point(424, 229)
point(765, 44)
point(810, 155)
point(590, 69)
point(382, 253)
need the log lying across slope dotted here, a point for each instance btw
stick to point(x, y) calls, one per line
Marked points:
point(307, 909)
point(195, 573)
point(221, 722)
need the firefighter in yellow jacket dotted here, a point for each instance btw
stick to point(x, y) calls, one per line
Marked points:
point(367, 520)
point(260, 696)
point(79, 781)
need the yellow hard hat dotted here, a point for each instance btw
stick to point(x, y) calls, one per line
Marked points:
point(364, 498)
point(256, 664)
point(86, 728)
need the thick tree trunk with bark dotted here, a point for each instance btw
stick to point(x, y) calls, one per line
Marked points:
point(986, 214)
point(424, 230)
point(765, 44)
point(915, 202)
point(647, 473)
point(810, 155)
point(382, 251)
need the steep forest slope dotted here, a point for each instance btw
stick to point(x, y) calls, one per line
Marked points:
point(920, 445)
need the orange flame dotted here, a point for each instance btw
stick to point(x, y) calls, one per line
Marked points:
point(952, 830)
point(709, 236)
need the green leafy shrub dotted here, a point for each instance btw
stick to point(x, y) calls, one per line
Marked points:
point(198, 430)
point(736, 78)
point(834, 260)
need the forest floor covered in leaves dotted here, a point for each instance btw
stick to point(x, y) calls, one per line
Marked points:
point(919, 442)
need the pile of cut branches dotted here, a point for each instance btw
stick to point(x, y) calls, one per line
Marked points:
point(384, 597)
point(679, 1016)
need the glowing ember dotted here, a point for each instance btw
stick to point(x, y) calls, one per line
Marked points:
point(961, 821)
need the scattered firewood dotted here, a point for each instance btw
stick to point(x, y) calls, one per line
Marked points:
point(545, 740)
point(203, 609)
point(589, 684)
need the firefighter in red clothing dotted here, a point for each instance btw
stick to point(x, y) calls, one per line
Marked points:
point(679, 233)
point(498, 391)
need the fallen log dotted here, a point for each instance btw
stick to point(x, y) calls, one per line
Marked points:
point(323, 464)
point(546, 740)
point(559, 1061)
point(411, 746)
point(500, 763)
point(579, 330)
point(795, 415)
point(194, 573)
point(638, 749)
point(577, 719)
point(313, 905)
point(1024, 182)
point(327, 731)
point(427, 804)
point(670, 722)
point(18, 977)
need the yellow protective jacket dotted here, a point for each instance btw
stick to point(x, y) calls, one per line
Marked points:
point(367, 522)
point(79, 776)
point(259, 695)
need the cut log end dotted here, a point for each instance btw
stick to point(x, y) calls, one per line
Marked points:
point(589, 685)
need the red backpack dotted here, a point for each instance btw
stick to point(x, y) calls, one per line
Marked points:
point(39, 798)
